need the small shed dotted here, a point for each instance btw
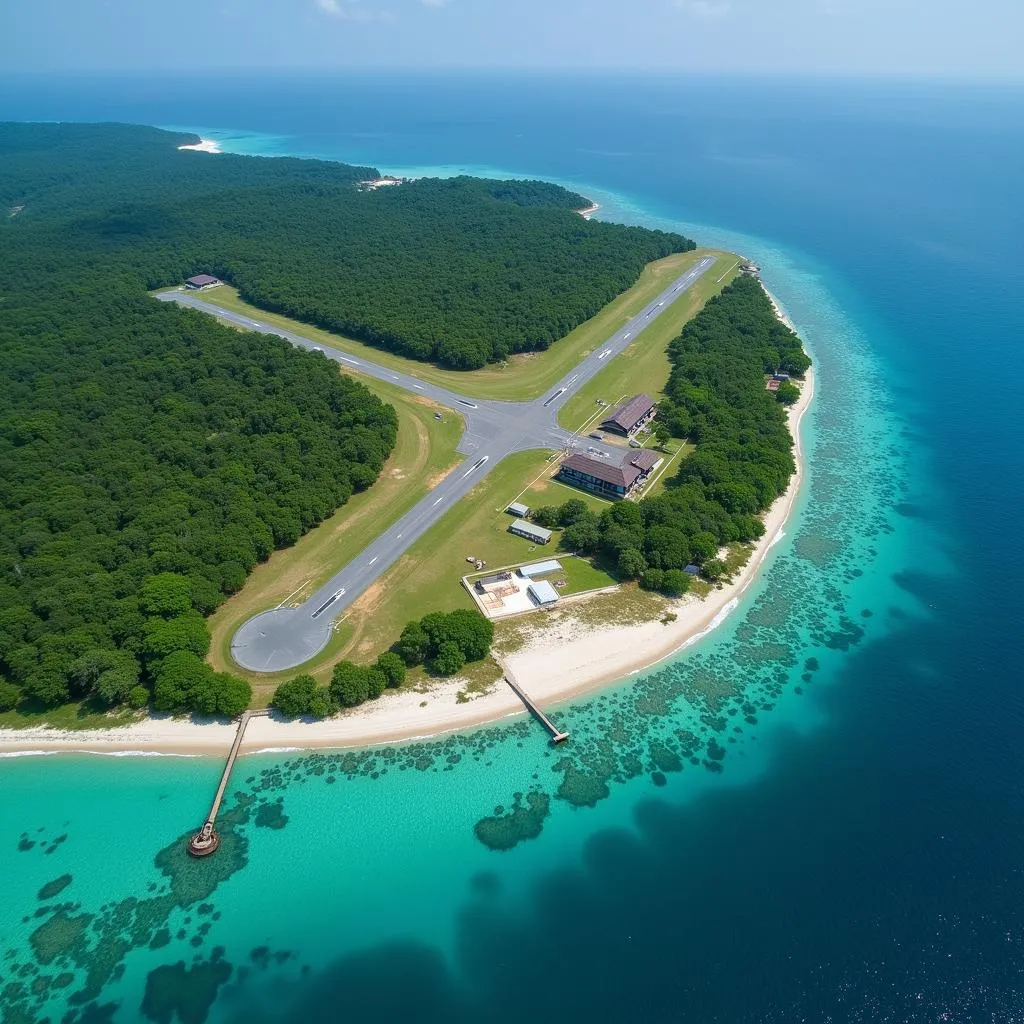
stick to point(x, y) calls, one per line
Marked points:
point(517, 508)
point(521, 528)
point(692, 569)
point(531, 572)
point(542, 593)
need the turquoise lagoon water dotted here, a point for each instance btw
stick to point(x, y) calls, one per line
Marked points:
point(813, 814)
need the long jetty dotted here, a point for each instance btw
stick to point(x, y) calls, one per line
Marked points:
point(206, 840)
point(557, 736)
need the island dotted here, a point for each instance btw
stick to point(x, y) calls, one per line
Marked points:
point(386, 450)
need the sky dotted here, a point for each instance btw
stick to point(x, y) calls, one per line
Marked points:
point(927, 38)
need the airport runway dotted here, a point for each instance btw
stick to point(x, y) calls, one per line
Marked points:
point(283, 638)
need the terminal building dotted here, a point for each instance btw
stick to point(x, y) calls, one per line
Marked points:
point(612, 482)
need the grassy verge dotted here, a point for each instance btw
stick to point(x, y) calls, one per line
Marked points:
point(523, 376)
point(427, 577)
point(79, 715)
point(644, 366)
point(424, 452)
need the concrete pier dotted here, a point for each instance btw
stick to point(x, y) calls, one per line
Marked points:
point(556, 735)
point(206, 840)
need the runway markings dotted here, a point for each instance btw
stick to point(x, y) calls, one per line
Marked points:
point(334, 597)
point(474, 467)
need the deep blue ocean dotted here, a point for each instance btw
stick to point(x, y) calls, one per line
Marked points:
point(816, 813)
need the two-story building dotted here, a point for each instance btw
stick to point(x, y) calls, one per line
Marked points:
point(608, 481)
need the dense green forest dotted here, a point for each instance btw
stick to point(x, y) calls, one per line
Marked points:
point(148, 461)
point(460, 271)
point(715, 398)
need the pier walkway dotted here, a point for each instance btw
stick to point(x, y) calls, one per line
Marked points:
point(557, 736)
point(206, 840)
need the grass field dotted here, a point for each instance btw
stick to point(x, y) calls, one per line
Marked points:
point(424, 452)
point(523, 376)
point(427, 577)
point(644, 365)
point(545, 490)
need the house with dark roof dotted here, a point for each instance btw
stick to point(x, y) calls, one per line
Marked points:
point(628, 418)
point(201, 281)
point(613, 482)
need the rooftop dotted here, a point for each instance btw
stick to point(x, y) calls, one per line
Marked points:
point(522, 526)
point(203, 279)
point(620, 476)
point(644, 460)
point(540, 568)
point(628, 415)
point(542, 592)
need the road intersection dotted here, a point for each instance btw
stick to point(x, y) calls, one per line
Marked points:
point(285, 637)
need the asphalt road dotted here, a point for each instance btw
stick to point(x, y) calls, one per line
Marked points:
point(282, 638)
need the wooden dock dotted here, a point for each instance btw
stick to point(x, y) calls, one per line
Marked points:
point(206, 840)
point(556, 735)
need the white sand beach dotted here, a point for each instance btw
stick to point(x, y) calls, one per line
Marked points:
point(204, 146)
point(562, 659)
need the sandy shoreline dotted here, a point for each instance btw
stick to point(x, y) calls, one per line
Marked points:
point(564, 660)
point(204, 146)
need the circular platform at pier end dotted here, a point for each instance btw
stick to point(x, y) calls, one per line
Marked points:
point(279, 639)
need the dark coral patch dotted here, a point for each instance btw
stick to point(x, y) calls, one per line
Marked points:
point(51, 889)
point(524, 821)
point(185, 992)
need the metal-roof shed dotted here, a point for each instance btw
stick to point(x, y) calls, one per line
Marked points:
point(522, 528)
point(540, 568)
point(517, 508)
point(542, 592)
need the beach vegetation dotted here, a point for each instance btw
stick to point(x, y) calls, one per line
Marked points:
point(446, 660)
point(631, 564)
point(713, 570)
point(412, 645)
point(350, 684)
point(185, 683)
point(138, 697)
point(295, 697)
point(10, 695)
point(393, 667)
point(788, 393)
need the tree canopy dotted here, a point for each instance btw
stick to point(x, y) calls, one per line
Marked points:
point(716, 399)
point(149, 457)
point(460, 271)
